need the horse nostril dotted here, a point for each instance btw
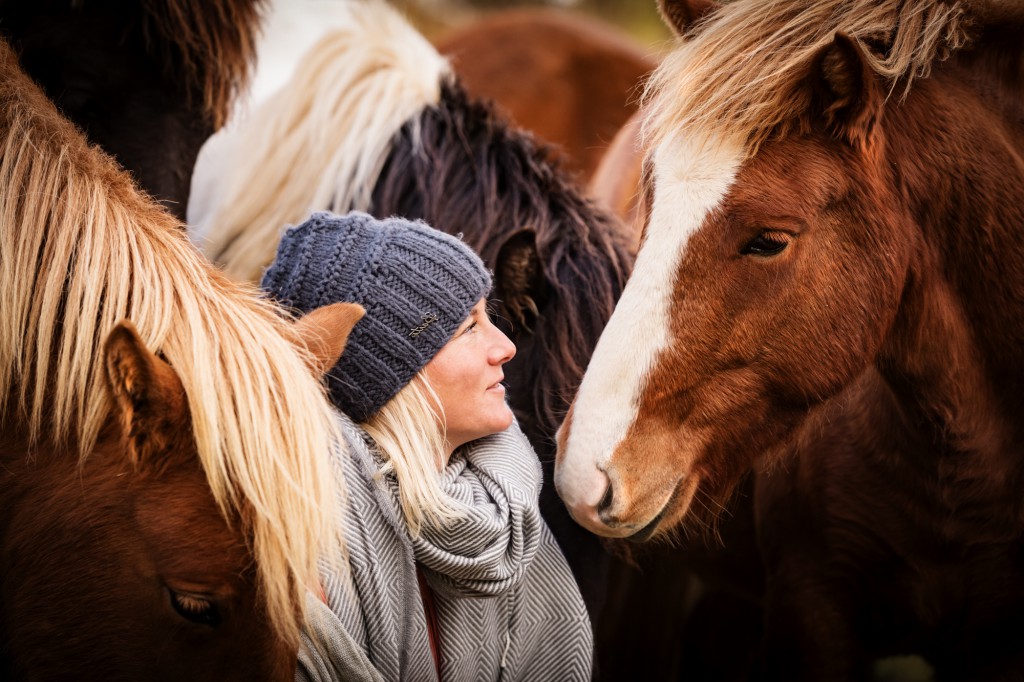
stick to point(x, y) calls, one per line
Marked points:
point(606, 502)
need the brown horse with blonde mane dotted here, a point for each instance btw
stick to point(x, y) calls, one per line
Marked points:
point(829, 290)
point(166, 485)
point(147, 81)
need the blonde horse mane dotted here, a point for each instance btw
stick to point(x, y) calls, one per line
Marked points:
point(739, 74)
point(82, 249)
point(321, 141)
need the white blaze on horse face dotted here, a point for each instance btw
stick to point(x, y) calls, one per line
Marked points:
point(692, 174)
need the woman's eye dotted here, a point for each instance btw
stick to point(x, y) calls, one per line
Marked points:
point(470, 328)
point(195, 609)
point(767, 243)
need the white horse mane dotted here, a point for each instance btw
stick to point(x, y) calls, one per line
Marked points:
point(321, 141)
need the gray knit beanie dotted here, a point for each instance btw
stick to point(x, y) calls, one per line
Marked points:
point(417, 284)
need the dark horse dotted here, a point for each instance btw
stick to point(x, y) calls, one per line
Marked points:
point(374, 120)
point(831, 281)
point(166, 486)
point(149, 81)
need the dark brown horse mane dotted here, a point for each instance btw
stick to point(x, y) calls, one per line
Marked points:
point(214, 43)
point(464, 169)
point(147, 80)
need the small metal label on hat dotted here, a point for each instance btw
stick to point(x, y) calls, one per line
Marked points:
point(428, 319)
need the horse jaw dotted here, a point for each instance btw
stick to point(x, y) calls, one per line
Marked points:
point(597, 453)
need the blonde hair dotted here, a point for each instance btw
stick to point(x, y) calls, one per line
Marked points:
point(410, 432)
point(82, 250)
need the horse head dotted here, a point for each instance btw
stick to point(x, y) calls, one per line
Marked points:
point(127, 559)
point(788, 249)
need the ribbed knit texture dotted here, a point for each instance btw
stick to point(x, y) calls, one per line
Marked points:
point(416, 283)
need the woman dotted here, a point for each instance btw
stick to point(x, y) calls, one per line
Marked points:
point(454, 575)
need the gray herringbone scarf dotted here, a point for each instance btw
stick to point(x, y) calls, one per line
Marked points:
point(507, 605)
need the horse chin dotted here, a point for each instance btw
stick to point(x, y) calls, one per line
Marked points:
point(648, 531)
point(672, 514)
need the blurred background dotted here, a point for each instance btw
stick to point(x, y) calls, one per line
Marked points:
point(569, 71)
point(639, 18)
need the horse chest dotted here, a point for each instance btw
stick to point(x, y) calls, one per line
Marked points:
point(905, 559)
point(952, 589)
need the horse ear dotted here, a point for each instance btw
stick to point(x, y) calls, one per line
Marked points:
point(851, 92)
point(519, 278)
point(325, 332)
point(148, 395)
point(680, 15)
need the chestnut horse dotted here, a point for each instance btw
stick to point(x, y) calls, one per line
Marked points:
point(169, 532)
point(147, 81)
point(570, 79)
point(374, 120)
point(830, 281)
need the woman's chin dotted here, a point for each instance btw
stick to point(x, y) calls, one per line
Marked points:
point(502, 420)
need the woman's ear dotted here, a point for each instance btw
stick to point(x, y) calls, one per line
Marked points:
point(325, 333)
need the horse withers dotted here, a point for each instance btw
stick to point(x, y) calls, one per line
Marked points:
point(828, 291)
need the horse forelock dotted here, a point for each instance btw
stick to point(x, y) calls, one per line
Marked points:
point(320, 142)
point(690, 178)
point(84, 250)
point(743, 73)
point(461, 167)
point(212, 44)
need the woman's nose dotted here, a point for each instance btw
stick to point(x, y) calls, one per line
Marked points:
point(503, 349)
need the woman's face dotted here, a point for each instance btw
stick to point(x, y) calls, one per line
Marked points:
point(467, 373)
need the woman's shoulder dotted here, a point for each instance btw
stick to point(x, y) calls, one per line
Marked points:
point(350, 430)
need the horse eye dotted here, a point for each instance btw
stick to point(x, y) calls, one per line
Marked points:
point(766, 244)
point(195, 609)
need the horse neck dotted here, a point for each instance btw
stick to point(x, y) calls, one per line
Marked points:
point(953, 356)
